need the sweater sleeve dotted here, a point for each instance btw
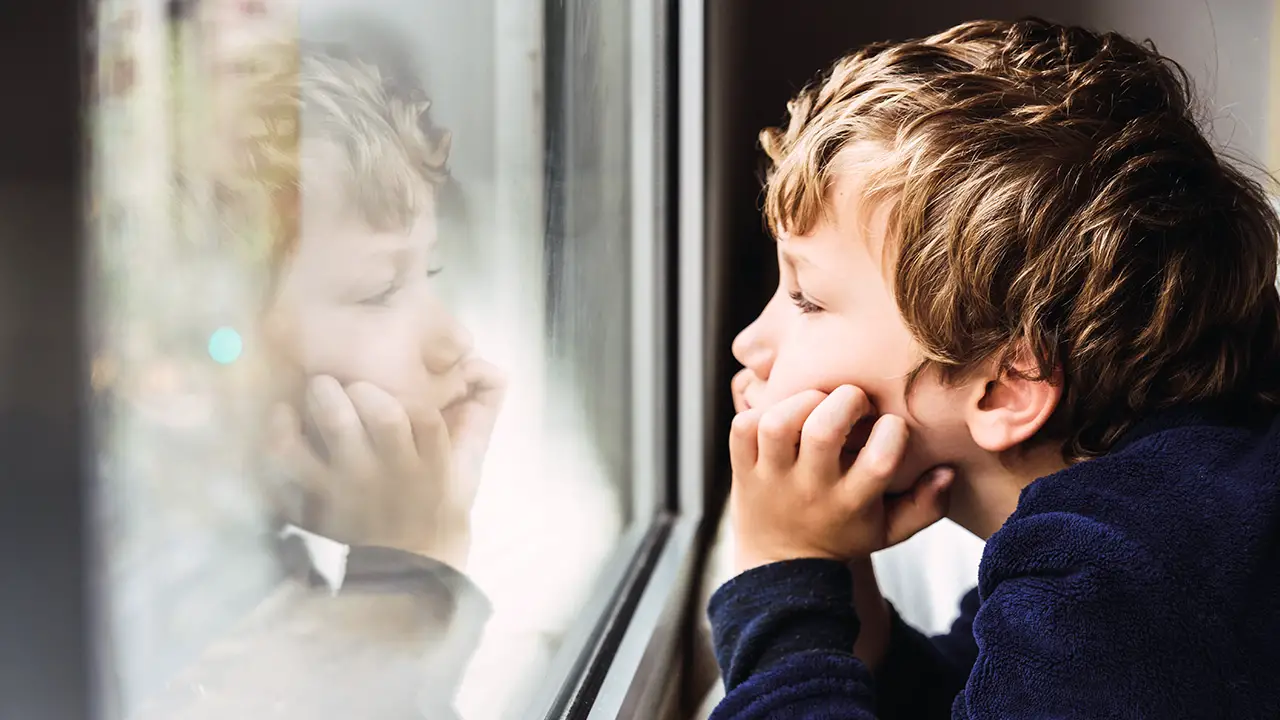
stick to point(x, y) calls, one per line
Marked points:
point(393, 643)
point(921, 676)
point(783, 635)
point(1057, 622)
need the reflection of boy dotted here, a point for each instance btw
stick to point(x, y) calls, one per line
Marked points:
point(384, 415)
point(383, 444)
point(1011, 243)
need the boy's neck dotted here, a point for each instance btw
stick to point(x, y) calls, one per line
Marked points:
point(986, 493)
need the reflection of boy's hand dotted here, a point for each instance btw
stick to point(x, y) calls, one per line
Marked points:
point(793, 497)
point(470, 425)
point(390, 478)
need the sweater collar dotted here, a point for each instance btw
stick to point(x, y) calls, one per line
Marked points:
point(1215, 413)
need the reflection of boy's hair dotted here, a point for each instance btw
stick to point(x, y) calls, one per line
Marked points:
point(393, 157)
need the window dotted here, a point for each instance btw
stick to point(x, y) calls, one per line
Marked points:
point(379, 326)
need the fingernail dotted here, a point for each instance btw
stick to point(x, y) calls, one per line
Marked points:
point(879, 439)
point(942, 476)
point(319, 392)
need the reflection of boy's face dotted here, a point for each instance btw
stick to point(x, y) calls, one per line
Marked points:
point(357, 304)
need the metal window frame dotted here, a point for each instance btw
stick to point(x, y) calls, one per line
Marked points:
point(640, 671)
point(47, 651)
point(621, 665)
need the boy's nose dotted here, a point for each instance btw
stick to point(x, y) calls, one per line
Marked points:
point(752, 350)
point(446, 342)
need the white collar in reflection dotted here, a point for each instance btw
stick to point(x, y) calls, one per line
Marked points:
point(328, 557)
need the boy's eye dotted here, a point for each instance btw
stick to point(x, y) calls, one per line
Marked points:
point(384, 296)
point(805, 304)
point(432, 272)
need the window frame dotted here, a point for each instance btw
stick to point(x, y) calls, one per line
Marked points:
point(636, 682)
point(49, 648)
point(622, 664)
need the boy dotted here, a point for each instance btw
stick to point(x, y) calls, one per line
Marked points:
point(1010, 243)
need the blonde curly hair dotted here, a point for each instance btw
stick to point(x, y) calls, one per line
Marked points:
point(1052, 195)
point(394, 158)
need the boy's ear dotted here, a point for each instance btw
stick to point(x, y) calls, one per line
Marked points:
point(1007, 409)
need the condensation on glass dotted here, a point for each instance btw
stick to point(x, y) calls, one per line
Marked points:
point(359, 352)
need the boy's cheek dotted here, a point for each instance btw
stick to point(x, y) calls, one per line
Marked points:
point(351, 352)
point(935, 440)
point(794, 373)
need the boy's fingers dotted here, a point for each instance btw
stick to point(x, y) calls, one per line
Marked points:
point(430, 435)
point(827, 427)
point(292, 445)
point(874, 468)
point(738, 389)
point(339, 424)
point(488, 387)
point(300, 478)
point(744, 439)
point(925, 504)
point(387, 424)
point(780, 429)
point(473, 421)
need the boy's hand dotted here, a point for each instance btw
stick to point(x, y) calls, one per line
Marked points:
point(470, 427)
point(794, 497)
point(742, 380)
point(872, 608)
point(394, 476)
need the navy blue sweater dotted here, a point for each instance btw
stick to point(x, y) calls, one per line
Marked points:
point(1145, 583)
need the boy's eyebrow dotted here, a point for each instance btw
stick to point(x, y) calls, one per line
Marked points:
point(399, 258)
point(371, 268)
point(792, 258)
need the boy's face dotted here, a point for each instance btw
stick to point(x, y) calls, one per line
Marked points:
point(358, 304)
point(833, 321)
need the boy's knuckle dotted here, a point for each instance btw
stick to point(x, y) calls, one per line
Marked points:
point(339, 424)
point(388, 418)
point(879, 465)
point(432, 422)
point(812, 397)
point(388, 422)
point(814, 495)
point(822, 437)
point(773, 427)
point(744, 424)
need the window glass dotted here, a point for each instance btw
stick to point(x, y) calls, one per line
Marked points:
point(361, 357)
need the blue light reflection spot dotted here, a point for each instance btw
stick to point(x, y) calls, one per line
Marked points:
point(225, 345)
